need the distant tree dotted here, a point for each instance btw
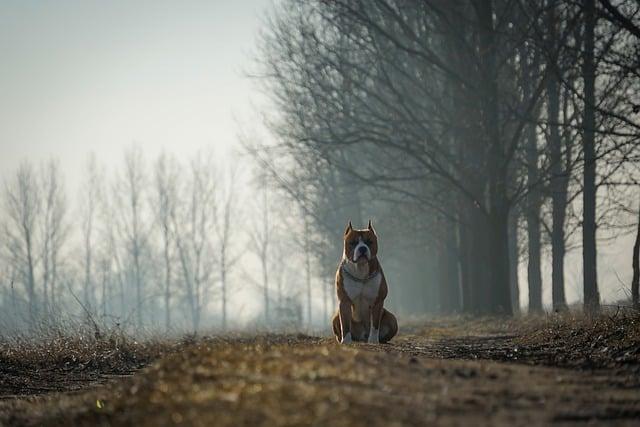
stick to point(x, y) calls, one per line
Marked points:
point(165, 201)
point(226, 226)
point(261, 231)
point(91, 193)
point(23, 207)
point(54, 229)
point(132, 225)
point(112, 254)
point(193, 226)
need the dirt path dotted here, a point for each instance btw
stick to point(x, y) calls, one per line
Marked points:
point(286, 380)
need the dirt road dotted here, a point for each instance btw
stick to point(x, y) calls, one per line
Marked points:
point(419, 379)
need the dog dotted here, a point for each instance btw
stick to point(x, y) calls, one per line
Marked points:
point(361, 289)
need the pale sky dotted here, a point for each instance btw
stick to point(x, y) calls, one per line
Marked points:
point(83, 76)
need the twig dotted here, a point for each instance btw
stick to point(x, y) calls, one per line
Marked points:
point(97, 333)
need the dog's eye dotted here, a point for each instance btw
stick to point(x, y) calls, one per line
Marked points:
point(354, 243)
point(367, 242)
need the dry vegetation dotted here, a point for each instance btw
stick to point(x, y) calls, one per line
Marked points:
point(63, 361)
point(607, 341)
point(610, 341)
point(586, 369)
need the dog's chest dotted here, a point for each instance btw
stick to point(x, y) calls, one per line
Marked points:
point(362, 294)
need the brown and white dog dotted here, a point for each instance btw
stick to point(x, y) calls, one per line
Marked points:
point(361, 289)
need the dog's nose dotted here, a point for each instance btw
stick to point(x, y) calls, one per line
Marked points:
point(362, 250)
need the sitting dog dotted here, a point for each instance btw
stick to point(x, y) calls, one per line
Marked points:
point(361, 289)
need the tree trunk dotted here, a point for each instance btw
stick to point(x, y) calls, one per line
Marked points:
point(31, 280)
point(500, 288)
point(223, 283)
point(45, 275)
point(463, 265)
point(498, 209)
point(448, 269)
point(559, 176)
point(265, 288)
point(264, 253)
point(534, 195)
point(87, 270)
point(332, 296)
point(325, 303)
point(54, 279)
point(589, 254)
point(513, 261)
point(307, 255)
point(635, 281)
point(138, 282)
point(534, 275)
point(104, 292)
point(167, 282)
point(478, 258)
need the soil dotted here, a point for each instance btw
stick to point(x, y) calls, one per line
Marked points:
point(463, 372)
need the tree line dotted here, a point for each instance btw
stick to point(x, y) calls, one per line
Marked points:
point(161, 246)
point(481, 131)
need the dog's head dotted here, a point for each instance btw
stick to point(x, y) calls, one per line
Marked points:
point(360, 245)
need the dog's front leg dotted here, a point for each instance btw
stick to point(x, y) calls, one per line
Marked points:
point(376, 315)
point(345, 321)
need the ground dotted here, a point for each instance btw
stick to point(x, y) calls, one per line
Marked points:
point(440, 372)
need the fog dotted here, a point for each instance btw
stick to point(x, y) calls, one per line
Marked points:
point(188, 167)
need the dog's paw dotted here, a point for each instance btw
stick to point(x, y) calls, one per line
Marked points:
point(346, 339)
point(374, 337)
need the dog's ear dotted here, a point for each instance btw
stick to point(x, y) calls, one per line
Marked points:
point(348, 229)
point(370, 227)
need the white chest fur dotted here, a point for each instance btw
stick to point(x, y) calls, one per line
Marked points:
point(362, 294)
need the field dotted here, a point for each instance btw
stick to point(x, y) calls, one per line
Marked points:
point(453, 371)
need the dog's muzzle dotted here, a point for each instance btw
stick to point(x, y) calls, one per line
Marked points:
point(361, 250)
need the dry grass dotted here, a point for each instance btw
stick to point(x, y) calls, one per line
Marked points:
point(444, 371)
point(71, 360)
point(610, 340)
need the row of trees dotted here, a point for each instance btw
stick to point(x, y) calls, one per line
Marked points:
point(161, 246)
point(470, 124)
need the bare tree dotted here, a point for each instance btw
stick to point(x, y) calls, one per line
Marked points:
point(193, 227)
point(132, 224)
point(105, 274)
point(22, 208)
point(534, 198)
point(261, 242)
point(393, 66)
point(54, 230)
point(114, 271)
point(589, 257)
point(166, 188)
point(560, 160)
point(225, 226)
point(90, 196)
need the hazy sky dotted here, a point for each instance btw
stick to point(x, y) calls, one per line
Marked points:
point(82, 76)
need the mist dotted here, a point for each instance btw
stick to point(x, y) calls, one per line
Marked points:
point(193, 169)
